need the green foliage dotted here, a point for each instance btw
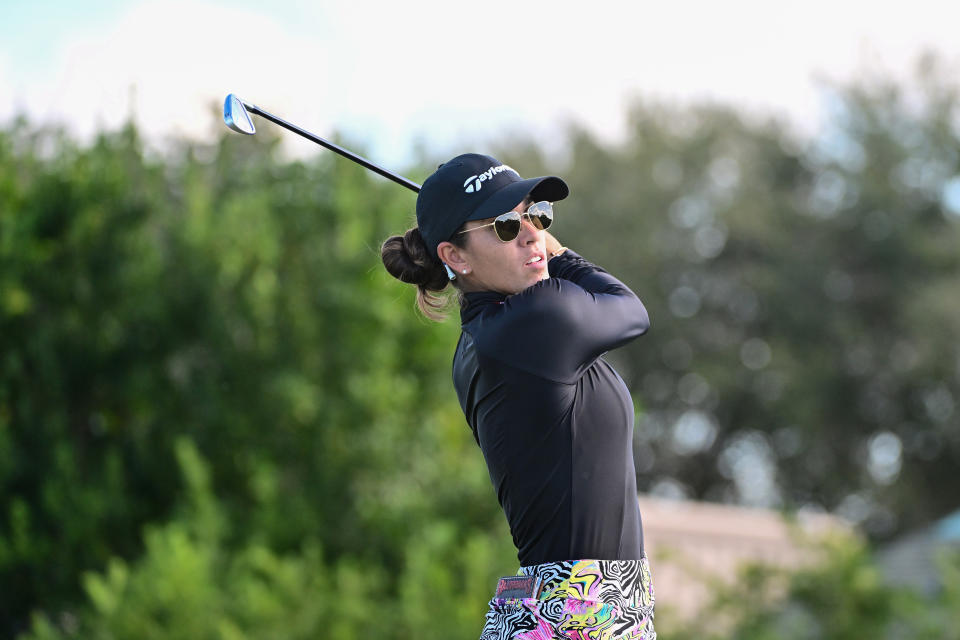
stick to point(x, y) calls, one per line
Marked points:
point(801, 295)
point(842, 596)
point(206, 377)
point(189, 585)
point(235, 299)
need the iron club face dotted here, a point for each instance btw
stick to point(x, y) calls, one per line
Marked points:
point(236, 117)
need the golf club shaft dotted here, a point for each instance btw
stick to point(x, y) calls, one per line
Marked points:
point(409, 184)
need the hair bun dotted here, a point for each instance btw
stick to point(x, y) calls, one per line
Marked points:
point(407, 259)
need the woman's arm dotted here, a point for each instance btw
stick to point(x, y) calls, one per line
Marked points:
point(569, 319)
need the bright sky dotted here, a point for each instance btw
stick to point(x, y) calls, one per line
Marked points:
point(439, 73)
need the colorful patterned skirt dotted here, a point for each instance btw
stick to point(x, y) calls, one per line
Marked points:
point(577, 600)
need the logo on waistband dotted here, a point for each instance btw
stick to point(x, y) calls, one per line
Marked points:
point(516, 587)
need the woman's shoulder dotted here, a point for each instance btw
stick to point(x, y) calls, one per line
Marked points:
point(527, 332)
point(522, 313)
point(549, 296)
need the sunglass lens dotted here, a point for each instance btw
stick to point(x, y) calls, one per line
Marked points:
point(541, 214)
point(507, 226)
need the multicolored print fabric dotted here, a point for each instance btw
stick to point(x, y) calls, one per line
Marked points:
point(578, 600)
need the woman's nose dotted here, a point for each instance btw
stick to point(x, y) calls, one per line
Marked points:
point(528, 231)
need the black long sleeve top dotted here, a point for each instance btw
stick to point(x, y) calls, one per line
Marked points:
point(554, 420)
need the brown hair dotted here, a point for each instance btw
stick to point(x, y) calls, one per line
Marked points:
point(407, 259)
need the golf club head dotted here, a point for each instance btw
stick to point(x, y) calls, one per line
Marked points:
point(236, 117)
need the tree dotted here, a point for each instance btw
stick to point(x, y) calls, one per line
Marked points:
point(233, 298)
point(842, 596)
point(802, 348)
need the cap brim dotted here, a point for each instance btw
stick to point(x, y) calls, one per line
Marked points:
point(549, 188)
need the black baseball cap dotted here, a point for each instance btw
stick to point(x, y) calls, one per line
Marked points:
point(474, 187)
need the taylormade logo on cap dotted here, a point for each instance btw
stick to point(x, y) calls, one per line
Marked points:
point(448, 197)
point(475, 182)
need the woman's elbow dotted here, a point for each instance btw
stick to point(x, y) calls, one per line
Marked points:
point(643, 321)
point(640, 317)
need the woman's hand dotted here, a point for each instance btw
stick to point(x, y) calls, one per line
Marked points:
point(554, 248)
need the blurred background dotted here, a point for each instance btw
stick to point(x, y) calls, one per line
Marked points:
point(220, 418)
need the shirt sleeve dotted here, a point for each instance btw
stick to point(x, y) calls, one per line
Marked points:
point(558, 327)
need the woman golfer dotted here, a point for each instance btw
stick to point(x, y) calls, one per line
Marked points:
point(553, 418)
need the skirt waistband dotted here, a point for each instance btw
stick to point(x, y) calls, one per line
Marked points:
point(622, 582)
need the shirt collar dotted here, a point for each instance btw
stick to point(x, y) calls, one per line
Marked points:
point(476, 301)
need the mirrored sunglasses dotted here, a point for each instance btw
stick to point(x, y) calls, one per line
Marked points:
point(508, 225)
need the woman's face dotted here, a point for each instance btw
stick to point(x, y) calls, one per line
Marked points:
point(494, 265)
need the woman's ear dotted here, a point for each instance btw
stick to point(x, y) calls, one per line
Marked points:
point(452, 255)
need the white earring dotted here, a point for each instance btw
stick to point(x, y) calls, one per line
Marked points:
point(464, 272)
point(450, 273)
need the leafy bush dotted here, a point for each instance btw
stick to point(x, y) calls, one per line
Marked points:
point(188, 585)
point(842, 596)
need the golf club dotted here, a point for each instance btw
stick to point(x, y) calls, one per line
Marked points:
point(236, 115)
